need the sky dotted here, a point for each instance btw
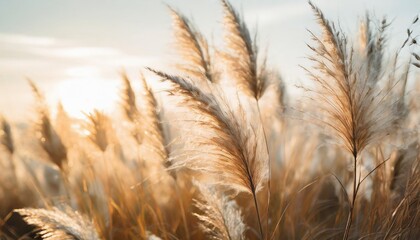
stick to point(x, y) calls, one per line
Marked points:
point(75, 50)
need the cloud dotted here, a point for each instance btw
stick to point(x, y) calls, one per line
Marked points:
point(130, 61)
point(28, 52)
point(77, 52)
point(52, 47)
point(19, 39)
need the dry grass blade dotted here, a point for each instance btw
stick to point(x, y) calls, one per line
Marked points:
point(6, 137)
point(241, 55)
point(56, 224)
point(221, 218)
point(193, 48)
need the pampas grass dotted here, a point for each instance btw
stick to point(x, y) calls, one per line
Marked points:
point(6, 136)
point(221, 218)
point(57, 224)
point(241, 55)
point(156, 133)
point(233, 153)
point(220, 153)
point(99, 130)
point(193, 49)
point(357, 109)
point(48, 137)
point(131, 111)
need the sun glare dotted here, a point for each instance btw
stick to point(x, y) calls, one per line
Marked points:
point(136, 121)
point(82, 95)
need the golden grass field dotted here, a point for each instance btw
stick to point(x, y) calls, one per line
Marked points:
point(224, 152)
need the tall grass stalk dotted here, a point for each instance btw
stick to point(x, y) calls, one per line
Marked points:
point(358, 110)
point(233, 152)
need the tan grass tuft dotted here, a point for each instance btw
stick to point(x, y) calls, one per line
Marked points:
point(193, 48)
point(56, 224)
point(220, 217)
point(48, 137)
point(131, 110)
point(241, 55)
point(98, 127)
point(357, 109)
point(156, 133)
point(6, 138)
point(233, 153)
point(234, 148)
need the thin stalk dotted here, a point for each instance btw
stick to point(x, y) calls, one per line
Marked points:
point(254, 196)
point(269, 165)
point(353, 202)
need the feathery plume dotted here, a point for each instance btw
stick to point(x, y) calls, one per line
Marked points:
point(365, 36)
point(129, 98)
point(63, 125)
point(98, 128)
point(48, 137)
point(221, 218)
point(156, 133)
point(51, 141)
point(372, 47)
point(193, 48)
point(241, 55)
point(6, 137)
point(281, 93)
point(358, 111)
point(131, 110)
point(57, 224)
point(38, 94)
point(403, 165)
point(233, 153)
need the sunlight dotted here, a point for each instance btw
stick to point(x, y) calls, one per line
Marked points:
point(258, 121)
point(82, 95)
